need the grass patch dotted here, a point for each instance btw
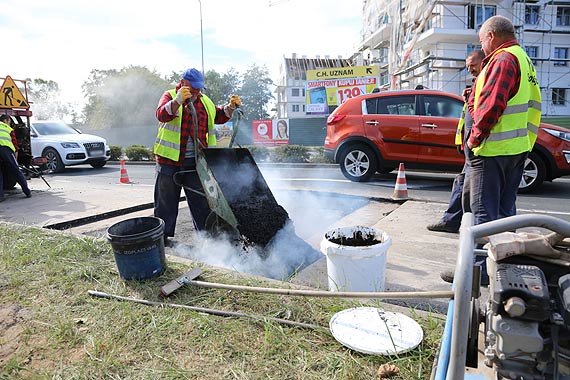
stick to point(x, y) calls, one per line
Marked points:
point(560, 121)
point(50, 328)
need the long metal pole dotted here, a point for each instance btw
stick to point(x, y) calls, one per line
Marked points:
point(201, 37)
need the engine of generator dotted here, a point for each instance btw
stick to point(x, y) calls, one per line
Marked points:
point(527, 320)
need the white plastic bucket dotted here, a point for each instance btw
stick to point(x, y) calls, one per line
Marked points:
point(353, 268)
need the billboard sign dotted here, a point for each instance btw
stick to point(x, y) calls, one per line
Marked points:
point(331, 87)
point(270, 132)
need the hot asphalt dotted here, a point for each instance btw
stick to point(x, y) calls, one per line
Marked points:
point(414, 260)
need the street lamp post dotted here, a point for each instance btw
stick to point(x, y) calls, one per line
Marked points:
point(201, 37)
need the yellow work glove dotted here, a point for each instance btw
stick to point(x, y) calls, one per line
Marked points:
point(182, 95)
point(235, 101)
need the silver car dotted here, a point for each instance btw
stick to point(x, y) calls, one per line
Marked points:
point(64, 146)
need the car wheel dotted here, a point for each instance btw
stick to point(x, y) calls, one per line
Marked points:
point(534, 173)
point(98, 164)
point(54, 162)
point(357, 163)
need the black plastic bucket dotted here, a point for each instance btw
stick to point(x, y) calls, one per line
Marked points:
point(139, 247)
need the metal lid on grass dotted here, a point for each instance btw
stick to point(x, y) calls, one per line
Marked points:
point(374, 331)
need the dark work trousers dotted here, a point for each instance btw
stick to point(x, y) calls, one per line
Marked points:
point(459, 200)
point(454, 212)
point(8, 162)
point(167, 196)
point(494, 182)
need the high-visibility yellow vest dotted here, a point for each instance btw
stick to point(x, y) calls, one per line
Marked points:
point(460, 126)
point(167, 143)
point(517, 128)
point(5, 136)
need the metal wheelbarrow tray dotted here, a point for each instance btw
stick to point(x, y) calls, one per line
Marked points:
point(238, 195)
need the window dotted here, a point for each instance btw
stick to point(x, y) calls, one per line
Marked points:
point(532, 52)
point(304, 93)
point(295, 108)
point(384, 78)
point(471, 47)
point(560, 52)
point(477, 14)
point(294, 92)
point(442, 106)
point(531, 14)
point(563, 16)
point(391, 105)
point(558, 96)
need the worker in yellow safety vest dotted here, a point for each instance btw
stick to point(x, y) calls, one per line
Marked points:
point(8, 163)
point(506, 109)
point(176, 143)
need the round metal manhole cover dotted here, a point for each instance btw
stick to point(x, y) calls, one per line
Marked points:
point(374, 331)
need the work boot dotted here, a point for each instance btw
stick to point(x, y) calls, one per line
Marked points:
point(168, 242)
point(442, 227)
point(28, 192)
point(447, 275)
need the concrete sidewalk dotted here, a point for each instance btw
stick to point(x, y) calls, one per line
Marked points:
point(414, 260)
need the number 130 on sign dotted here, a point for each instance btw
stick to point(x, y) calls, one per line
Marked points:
point(344, 93)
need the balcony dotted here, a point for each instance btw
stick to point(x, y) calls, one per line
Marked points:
point(376, 39)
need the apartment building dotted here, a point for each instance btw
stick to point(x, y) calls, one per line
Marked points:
point(291, 85)
point(425, 42)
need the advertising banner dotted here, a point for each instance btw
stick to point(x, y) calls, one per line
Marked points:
point(331, 87)
point(270, 132)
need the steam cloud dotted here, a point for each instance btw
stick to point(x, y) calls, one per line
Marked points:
point(311, 215)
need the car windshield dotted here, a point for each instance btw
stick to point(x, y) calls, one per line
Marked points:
point(53, 128)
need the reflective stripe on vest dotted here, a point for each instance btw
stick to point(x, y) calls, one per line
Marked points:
point(460, 126)
point(517, 128)
point(5, 137)
point(167, 143)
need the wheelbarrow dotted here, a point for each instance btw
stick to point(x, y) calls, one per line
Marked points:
point(241, 203)
point(522, 331)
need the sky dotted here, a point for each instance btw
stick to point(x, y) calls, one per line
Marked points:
point(63, 40)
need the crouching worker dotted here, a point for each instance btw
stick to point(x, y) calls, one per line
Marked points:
point(174, 147)
point(8, 151)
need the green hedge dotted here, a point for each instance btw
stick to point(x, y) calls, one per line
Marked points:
point(289, 154)
point(139, 153)
point(116, 152)
point(282, 153)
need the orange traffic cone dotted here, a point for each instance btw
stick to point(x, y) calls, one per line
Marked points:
point(401, 189)
point(124, 175)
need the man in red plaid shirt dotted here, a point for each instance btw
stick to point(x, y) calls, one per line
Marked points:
point(174, 147)
point(506, 109)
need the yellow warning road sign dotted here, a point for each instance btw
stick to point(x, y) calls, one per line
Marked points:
point(11, 96)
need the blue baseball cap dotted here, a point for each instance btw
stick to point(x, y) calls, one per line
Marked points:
point(195, 78)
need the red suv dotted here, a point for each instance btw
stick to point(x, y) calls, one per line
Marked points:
point(375, 132)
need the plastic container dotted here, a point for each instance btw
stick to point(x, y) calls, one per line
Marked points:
point(352, 268)
point(138, 246)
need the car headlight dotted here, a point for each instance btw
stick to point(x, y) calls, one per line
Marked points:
point(561, 135)
point(68, 145)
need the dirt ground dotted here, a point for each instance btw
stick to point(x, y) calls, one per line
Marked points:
point(11, 318)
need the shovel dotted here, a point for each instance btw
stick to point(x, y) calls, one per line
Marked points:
point(177, 283)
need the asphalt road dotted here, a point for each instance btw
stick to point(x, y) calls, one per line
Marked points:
point(552, 198)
